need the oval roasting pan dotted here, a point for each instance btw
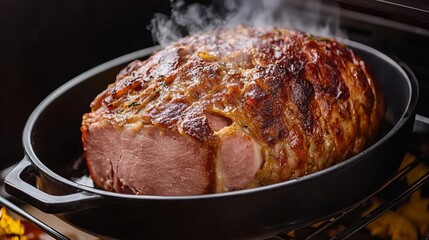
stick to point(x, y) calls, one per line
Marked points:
point(52, 140)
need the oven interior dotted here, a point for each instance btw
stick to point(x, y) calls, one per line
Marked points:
point(401, 30)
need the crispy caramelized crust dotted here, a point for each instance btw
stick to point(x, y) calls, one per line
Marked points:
point(307, 102)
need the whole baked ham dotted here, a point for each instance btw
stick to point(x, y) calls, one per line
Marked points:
point(230, 109)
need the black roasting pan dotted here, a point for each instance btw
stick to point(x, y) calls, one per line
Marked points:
point(52, 140)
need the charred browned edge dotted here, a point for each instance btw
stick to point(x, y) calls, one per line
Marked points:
point(195, 124)
point(170, 113)
point(272, 86)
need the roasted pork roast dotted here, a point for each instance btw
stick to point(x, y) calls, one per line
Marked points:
point(230, 109)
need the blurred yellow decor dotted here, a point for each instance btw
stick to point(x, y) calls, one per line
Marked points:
point(10, 228)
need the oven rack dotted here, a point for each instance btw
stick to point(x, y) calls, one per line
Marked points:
point(359, 213)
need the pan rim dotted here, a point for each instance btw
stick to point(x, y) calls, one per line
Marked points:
point(29, 151)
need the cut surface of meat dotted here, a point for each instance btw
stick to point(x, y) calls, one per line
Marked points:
point(238, 159)
point(230, 109)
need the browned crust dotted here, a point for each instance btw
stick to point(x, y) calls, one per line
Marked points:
point(308, 102)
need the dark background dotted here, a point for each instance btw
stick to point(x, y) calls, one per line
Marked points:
point(44, 43)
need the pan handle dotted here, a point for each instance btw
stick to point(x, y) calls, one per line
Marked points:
point(17, 186)
point(421, 125)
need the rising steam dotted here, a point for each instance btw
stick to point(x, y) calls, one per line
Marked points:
point(190, 19)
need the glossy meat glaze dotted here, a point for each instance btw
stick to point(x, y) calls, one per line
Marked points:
point(231, 109)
